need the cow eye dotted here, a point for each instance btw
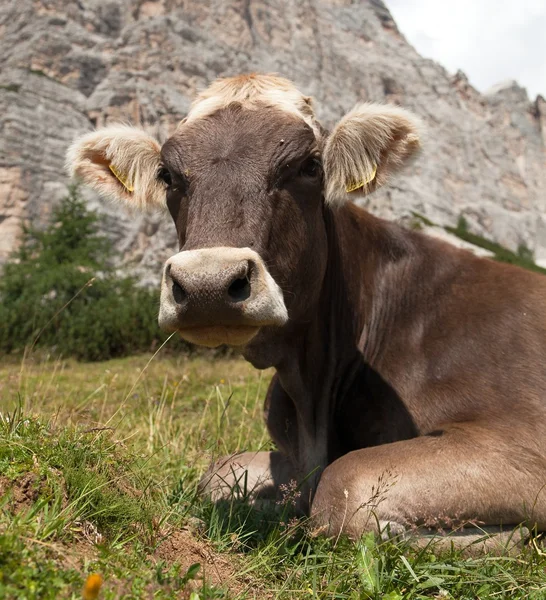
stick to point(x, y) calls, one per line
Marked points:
point(165, 176)
point(311, 168)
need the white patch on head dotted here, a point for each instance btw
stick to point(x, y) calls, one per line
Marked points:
point(120, 162)
point(254, 91)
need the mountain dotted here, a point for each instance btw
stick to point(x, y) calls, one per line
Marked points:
point(68, 66)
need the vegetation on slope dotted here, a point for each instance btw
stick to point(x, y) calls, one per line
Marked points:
point(60, 292)
point(522, 258)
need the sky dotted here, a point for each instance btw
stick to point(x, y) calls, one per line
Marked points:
point(489, 40)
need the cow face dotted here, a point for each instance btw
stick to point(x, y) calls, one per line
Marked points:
point(246, 178)
point(244, 188)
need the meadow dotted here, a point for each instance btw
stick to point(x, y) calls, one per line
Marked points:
point(99, 464)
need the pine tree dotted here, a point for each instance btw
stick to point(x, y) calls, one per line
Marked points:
point(60, 291)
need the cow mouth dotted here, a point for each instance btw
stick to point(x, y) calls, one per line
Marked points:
point(213, 336)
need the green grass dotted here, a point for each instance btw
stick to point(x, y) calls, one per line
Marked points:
point(98, 471)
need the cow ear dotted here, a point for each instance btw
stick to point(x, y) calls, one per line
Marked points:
point(366, 147)
point(121, 163)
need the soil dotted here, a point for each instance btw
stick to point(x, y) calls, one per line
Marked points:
point(24, 491)
point(220, 570)
point(182, 546)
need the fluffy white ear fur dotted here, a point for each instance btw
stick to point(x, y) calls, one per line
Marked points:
point(121, 163)
point(369, 144)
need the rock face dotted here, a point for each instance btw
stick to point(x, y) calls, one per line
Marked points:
point(68, 66)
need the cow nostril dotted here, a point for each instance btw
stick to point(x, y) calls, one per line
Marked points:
point(179, 294)
point(239, 290)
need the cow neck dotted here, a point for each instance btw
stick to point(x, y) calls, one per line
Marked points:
point(320, 359)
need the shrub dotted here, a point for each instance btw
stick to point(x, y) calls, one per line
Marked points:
point(61, 292)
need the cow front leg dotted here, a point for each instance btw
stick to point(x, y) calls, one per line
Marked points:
point(260, 475)
point(248, 476)
point(459, 475)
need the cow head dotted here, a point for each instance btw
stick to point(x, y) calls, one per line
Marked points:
point(247, 178)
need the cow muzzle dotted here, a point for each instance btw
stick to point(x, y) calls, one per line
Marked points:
point(218, 296)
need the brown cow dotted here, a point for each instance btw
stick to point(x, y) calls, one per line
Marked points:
point(410, 382)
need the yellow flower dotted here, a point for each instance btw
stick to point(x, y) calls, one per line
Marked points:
point(92, 587)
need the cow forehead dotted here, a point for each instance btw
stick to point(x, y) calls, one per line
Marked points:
point(254, 91)
point(255, 138)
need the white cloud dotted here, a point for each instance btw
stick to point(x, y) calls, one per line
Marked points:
point(490, 40)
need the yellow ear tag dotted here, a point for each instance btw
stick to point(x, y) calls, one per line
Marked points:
point(352, 187)
point(121, 178)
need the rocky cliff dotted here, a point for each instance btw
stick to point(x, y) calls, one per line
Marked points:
point(68, 66)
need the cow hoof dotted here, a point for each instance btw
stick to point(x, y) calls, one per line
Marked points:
point(245, 476)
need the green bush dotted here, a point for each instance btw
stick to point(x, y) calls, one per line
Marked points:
point(60, 292)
